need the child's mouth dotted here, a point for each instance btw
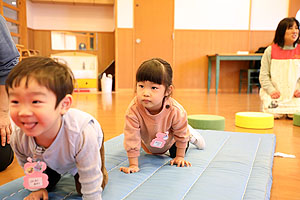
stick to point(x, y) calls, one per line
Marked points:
point(30, 125)
point(146, 101)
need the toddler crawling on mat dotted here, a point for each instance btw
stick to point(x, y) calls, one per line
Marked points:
point(155, 121)
point(47, 131)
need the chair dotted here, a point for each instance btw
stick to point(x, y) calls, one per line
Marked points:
point(251, 75)
point(24, 53)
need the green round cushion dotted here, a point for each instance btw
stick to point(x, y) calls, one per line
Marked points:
point(208, 122)
point(296, 119)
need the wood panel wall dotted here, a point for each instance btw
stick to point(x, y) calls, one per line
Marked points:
point(191, 48)
point(23, 23)
point(106, 49)
point(125, 74)
point(41, 40)
point(294, 6)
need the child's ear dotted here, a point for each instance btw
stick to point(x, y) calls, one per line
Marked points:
point(65, 104)
point(169, 90)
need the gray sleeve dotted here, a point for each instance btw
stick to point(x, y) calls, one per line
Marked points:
point(265, 72)
point(88, 162)
point(9, 55)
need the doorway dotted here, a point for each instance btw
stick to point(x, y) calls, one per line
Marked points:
point(153, 30)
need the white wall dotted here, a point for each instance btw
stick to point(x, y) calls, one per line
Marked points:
point(266, 14)
point(212, 14)
point(125, 13)
point(216, 14)
point(189, 14)
point(41, 16)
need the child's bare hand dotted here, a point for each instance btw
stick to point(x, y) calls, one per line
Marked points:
point(37, 195)
point(130, 169)
point(180, 162)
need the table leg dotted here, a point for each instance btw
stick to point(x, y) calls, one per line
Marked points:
point(217, 73)
point(209, 75)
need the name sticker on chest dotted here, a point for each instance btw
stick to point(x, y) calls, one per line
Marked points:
point(34, 177)
point(160, 140)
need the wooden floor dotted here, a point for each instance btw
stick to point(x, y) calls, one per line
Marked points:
point(110, 109)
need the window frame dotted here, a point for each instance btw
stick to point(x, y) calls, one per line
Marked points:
point(20, 8)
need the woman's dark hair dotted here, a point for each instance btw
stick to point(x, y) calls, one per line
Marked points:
point(155, 70)
point(283, 25)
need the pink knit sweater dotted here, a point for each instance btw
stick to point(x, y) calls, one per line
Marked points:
point(141, 127)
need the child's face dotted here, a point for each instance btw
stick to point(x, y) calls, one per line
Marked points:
point(291, 35)
point(32, 109)
point(151, 95)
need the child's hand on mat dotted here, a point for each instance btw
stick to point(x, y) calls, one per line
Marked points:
point(37, 195)
point(130, 169)
point(180, 162)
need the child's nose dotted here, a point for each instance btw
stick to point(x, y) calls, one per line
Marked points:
point(146, 93)
point(25, 111)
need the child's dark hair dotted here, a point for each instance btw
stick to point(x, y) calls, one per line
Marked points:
point(283, 25)
point(155, 70)
point(55, 76)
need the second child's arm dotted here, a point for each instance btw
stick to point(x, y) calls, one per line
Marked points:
point(179, 159)
point(133, 166)
point(132, 140)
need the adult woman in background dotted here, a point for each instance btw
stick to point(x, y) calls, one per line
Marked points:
point(280, 71)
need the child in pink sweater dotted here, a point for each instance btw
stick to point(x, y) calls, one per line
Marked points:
point(155, 121)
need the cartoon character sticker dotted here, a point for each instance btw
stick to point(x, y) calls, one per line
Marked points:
point(274, 104)
point(160, 140)
point(34, 178)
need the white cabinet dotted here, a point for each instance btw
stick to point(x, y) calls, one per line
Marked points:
point(84, 67)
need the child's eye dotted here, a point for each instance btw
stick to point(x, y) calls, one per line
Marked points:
point(154, 88)
point(14, 102)
point(141, 86)
point(36, 101)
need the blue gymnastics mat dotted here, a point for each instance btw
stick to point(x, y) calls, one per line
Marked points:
point(233, 166)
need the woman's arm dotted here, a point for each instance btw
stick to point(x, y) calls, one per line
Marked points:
point(265, 72)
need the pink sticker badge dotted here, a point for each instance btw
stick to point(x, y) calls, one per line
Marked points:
point(34, 177)
point(160, 140)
